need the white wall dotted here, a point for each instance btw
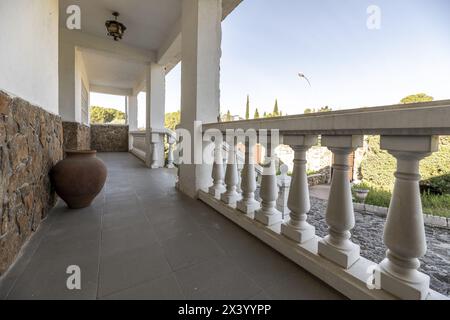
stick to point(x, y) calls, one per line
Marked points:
point(29, 51)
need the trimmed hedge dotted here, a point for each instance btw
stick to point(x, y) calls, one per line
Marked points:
point(378, 166)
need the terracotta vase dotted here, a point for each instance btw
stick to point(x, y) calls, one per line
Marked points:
point(79, 178)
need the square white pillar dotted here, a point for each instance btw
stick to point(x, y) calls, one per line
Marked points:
point(133, 112)
point(200, 78)
point(155, 107)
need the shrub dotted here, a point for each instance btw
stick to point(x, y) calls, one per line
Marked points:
point(375, 197)
point(100, 115)
point(378, 166)
point(438, 205)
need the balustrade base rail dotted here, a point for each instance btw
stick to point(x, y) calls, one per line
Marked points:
point(350, 282)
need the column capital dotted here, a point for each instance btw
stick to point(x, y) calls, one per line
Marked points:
point(306, 141)
point(343, 142)
point(412, 144)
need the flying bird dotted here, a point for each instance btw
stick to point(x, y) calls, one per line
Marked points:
point(301, 75)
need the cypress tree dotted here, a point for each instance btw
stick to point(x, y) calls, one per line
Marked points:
point(228, 117)
point(276, 112)
point(256, 116)
point(247, 108)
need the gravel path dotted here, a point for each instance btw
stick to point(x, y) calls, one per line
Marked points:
point(368, 233)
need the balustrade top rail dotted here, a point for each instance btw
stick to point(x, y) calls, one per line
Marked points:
point(162, 131)
point(429, 118)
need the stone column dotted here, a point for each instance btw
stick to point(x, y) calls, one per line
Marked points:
point(231, 196)
point(340, 217)
point(297, 228)
point(248, 204)
point(218, 186)
point(200, 79)
point(133, 112)
point(155, 107)
point(404, 232)
point(132, 117)
point(268, 214)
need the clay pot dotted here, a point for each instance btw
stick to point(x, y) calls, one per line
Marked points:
point(79, 178)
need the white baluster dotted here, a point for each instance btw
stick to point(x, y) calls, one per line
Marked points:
point(284, 184)
point(297, 228)
point(154, 164)
point(155, 143)
point(170, 157)
point(248, 204)
point(231, 196)
point(218, 172)
point(268, 214)
point(239, 184)
point(340, 217)
point(404, 232)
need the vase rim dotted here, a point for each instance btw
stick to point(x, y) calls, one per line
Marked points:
point(80, 151)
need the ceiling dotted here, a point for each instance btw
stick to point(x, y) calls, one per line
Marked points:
point(148, 22)
point(109, 71)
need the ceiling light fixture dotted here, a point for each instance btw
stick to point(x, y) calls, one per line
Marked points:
point(115, 28)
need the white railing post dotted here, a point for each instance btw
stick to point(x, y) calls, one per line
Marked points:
point(340, 218)
point(170, 158)
point(284, 185)
point(218, 171)
point(248, 204)
point(404, 232)
point(155, 142)
point(297, 228)
point(268, 214)
point(231, 196)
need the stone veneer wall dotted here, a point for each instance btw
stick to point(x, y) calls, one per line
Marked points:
point(109, 138)
point(31, 142)
point(76, 136)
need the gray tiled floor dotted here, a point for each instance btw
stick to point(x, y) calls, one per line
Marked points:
point(142, 239)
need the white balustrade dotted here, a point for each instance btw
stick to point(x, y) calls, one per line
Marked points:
point(404, 232)
point(297, 228)
point(340, 218)
point(406, 133)
point(248, 204)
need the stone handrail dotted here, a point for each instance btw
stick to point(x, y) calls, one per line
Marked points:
point(429, 118)
point(139, 146)
point(409, 133)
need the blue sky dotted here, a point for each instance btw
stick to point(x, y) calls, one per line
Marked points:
point(266, 43)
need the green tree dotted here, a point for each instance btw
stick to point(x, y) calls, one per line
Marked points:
point(247, 108)
point(414, 98)
point(265, 114)
point(172, 119)
point(308, 110)
point(228, 117)
point(256, 116)
point(325, 109)
point(100, 115)
point(276, 111)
